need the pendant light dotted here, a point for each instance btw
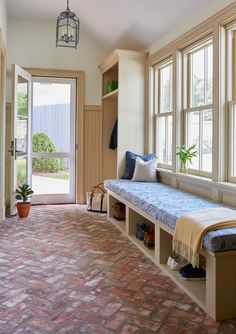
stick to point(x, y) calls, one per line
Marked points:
point(67, 34)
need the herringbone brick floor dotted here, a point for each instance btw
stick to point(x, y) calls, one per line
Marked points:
point(64, 270)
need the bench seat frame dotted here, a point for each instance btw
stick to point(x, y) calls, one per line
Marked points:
point(217, 294)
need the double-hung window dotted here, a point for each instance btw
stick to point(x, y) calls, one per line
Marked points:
point(163, 112)
point(198, 104)
point(231, 92)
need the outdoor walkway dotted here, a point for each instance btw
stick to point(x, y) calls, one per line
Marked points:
point(49, 185)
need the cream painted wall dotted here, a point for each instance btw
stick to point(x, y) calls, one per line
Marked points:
point(32, 44)
point(3, 27)
point(189, 23)
point(3, 19)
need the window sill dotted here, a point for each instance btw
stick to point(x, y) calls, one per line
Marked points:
point(186, 176)
point(200, 180)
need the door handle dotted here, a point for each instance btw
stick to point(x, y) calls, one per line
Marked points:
point(13, 149)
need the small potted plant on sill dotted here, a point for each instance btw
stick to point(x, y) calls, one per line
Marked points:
point(186, 155)
point(23, 193)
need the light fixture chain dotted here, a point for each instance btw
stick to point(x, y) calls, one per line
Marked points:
point(67, 4)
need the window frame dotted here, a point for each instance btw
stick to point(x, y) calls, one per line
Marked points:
point(157, 114)
point(188, 108)
point(231, 95)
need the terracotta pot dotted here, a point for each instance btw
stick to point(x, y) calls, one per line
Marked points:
point(23, 209)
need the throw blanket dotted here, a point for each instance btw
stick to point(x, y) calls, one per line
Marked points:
point(190, 228)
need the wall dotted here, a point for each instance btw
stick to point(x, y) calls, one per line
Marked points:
point(3, 19)
point(92, 147)
point(3, 41)
point(189, 23)
point(37, 49)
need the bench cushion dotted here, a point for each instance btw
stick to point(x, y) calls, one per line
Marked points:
point(167, 204)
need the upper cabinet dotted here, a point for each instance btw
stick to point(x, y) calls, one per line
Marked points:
point(123, 99)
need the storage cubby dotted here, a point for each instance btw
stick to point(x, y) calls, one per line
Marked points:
point(121, 224)
point(133, 219)
point(111, 74)
point(125, 104)
point(197, 289)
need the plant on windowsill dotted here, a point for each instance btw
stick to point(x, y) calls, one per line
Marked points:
point(186, 155)
point(23, 193)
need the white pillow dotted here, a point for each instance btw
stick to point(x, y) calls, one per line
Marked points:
point(145, 170)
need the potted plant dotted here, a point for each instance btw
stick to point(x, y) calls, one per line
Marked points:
point(23, 193)
point(186, 155)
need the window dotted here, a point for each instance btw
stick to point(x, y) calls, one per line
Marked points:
point(198, 105)
point(163, 113)
point(231, 74)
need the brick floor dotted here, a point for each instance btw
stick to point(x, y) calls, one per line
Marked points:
point(64, 270)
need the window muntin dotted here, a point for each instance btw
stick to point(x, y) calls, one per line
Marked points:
point(198, 93)
point(163, 98)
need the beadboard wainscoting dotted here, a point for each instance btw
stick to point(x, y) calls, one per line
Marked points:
point(92, 146)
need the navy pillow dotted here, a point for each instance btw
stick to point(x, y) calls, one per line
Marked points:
point(130, 163)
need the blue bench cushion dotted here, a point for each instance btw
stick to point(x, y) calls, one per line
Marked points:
point(167, 204)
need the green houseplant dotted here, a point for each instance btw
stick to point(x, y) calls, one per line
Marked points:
point(23, 193)
point(186, 155)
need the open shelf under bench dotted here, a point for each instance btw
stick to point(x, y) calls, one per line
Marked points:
point(216, 295)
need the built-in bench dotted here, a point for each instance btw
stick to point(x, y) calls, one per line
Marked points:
point(162, 205)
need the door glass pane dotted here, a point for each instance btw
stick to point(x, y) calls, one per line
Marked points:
point(166, 89)
point(193, 136)
point(21, 130)
point(207, 141)
point(198, 78)
point(22, 97)
point(51, 117)
point(161, 134)
point(50, 175)
point(22, 135)
point(21, 167)
point(52, 133)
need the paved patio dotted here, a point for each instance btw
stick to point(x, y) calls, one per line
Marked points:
point(48, 185)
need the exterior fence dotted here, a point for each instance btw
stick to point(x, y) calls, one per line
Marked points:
point(53, 120)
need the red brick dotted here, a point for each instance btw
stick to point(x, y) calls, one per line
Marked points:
point(116, 321)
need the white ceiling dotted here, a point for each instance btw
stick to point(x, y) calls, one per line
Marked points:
point(133, 24)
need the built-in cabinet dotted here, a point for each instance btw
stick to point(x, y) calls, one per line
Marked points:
point(215, 295)
point(127, 104)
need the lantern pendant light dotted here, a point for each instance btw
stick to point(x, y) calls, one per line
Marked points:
point(67, 34)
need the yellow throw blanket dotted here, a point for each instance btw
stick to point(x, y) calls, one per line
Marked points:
point(190, 228)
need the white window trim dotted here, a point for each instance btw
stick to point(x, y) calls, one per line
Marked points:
point(157, 106)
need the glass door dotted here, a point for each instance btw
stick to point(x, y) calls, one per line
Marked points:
point(53, 140)
point(20, 134)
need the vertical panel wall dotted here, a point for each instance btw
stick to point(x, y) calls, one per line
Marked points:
point(92, 146)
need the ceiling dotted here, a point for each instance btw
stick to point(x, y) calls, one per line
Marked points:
point(133, 24)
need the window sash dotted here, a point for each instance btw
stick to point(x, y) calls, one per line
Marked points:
point(159, 113)
point(189, 69)
point(232, 141)
point(168, 147)
point(198, 171)
point(158, 89)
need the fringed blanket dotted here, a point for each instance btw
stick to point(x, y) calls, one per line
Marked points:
point(190, 228)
